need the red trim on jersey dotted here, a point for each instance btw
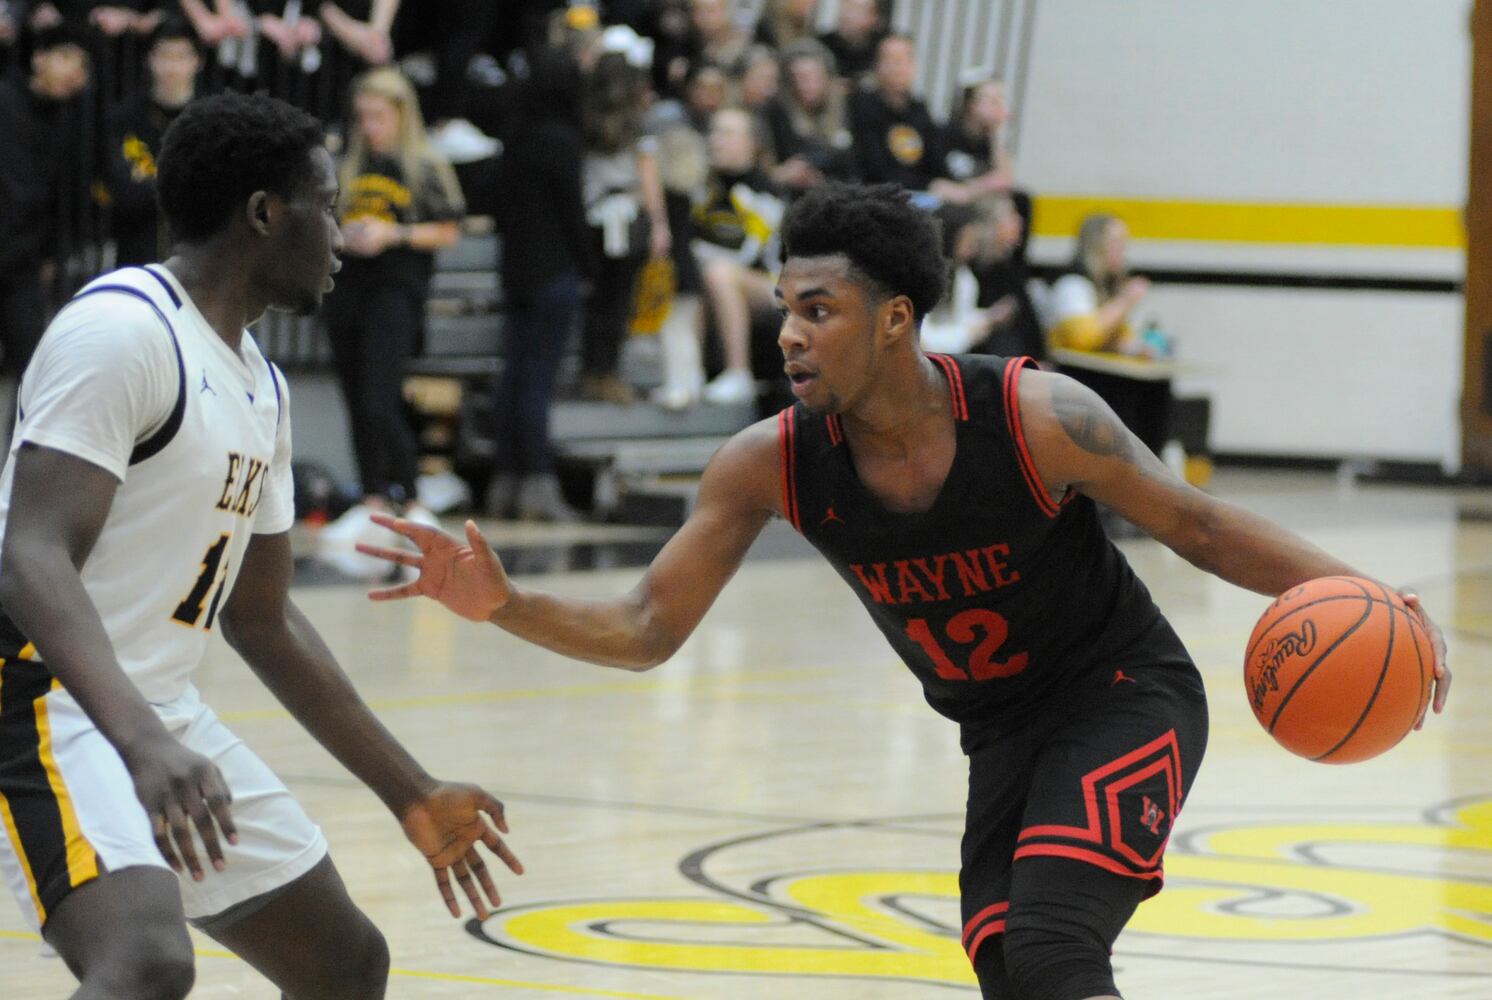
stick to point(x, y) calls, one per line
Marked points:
point(984, 914)
point(1082, 854)
point(955, 385)
point(1093, 832)
point(989, 930)
point(785, 442)
point(1012, 383)
point(836, 429)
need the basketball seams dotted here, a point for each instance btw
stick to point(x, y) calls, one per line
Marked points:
point(1388, 655)
point(1306, 673)
point(1362, 594)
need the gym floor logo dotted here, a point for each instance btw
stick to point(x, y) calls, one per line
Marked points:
point(807, 901)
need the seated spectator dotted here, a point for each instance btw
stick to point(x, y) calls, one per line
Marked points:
point(1091, 304)
point(784, 22)
point(735, 226)
point(626, 213)
point(975, 162)
point(706, 91)
point(894, 135)
point(759, 80)
point(133, 140)
point(41, 182)
point(1004, 276)
point(719, 40)
point(960, 323)
point(400, 203)
point(855, 39)
point(808, 122)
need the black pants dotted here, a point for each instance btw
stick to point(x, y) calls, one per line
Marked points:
point(23, 316)
point(373, 330)
point(609, 308)
point(540, 323)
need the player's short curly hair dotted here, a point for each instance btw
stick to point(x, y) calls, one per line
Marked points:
point(891, 244)
point(222, 149)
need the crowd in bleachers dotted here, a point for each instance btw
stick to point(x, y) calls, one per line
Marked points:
point(630, 152)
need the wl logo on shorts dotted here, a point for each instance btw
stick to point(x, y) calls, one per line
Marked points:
point(1151, 816)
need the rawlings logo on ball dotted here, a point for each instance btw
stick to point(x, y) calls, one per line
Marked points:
point(1274, 655)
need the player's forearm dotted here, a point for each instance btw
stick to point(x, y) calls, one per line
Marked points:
point(613, 633)
point(45, 597)
point(1254, 553)
point(297, 667)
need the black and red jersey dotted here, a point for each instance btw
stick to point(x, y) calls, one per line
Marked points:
point(999, 597)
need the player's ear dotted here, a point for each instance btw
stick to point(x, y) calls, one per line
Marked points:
point(257, 212)
point(899, 319)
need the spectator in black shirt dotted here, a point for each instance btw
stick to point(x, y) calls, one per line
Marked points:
point(856, 36)
point(546, 246)
point(41, 183)
point(976, 163)
point(808, 122)
point(895, 138)
point(400, 203)
point(133, 140)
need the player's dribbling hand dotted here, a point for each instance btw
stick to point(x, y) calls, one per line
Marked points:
point(446, 825)
point(1437, 640)
point(179, 789)
point(469, 579)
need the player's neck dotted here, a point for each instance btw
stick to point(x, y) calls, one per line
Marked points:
point(219, 287)
point(894, 414)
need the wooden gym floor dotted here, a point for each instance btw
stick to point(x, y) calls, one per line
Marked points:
point(775, 813)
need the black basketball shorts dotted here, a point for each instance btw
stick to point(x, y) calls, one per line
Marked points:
point(1098, 778)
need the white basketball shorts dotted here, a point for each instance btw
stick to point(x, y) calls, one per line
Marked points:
point(69, 810)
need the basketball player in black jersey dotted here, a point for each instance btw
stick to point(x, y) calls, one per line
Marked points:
point(957, 497)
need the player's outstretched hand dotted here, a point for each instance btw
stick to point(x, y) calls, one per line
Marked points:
point(181, 789)
point(1437, 640)
point(469, 579)
point(446, 825)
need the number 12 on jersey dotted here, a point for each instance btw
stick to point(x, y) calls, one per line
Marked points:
point(214, 574)
point(988, 628)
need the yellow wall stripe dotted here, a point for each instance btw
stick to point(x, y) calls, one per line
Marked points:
point(82, 861)
point(1423, 226)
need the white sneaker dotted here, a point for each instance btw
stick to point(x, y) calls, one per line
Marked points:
point(462, 142)
point(336, 544)
point(730, 387)
point(675, 397)
point(442, 491)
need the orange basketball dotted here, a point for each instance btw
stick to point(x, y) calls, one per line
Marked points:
point(1338, 669)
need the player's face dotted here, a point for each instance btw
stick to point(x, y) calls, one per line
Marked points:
point(828, 335)
point(308, 241)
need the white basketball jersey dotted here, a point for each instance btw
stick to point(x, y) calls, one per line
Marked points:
point(131, 377)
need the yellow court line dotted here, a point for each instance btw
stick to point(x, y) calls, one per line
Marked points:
point(519, 694)
point(1422, 226)
point(449, 977)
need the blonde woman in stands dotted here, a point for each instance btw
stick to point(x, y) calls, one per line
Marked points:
point(1092, 303)
point(400, 203)
point(807, 121)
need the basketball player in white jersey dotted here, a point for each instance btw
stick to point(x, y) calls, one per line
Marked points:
point(146, 502)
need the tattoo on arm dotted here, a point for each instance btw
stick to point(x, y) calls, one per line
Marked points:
point(1090, 426)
